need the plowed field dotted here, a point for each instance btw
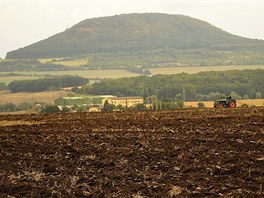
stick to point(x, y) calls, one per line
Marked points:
point(187, 153)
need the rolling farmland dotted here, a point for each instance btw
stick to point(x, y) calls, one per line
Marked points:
point(30, 75)
point(120, 73)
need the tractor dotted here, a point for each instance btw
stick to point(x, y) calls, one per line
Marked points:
point(225, 103)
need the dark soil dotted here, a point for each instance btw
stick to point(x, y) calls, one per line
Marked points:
point(188, 153)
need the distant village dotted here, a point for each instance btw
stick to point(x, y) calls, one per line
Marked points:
point(99, 103)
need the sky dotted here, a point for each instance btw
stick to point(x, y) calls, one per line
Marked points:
point(24, 22)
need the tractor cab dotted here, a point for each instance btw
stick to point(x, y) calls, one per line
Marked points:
point(228, 102)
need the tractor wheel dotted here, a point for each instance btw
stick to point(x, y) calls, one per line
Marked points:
point(220, 105)
point(232, 104)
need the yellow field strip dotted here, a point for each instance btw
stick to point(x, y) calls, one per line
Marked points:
point(17, 98)
point(197, 69)
point(210, 104)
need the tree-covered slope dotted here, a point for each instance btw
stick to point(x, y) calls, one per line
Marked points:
point(201, 86)
point(131, 33)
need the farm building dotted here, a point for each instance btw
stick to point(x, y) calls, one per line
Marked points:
point(123, 101)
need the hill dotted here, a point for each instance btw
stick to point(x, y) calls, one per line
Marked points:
point(160, 37)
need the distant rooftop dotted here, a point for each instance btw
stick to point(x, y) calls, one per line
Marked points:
point(73, 98)
point(124, 98)
point(88, 97)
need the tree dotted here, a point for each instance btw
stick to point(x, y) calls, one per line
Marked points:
point(119, 107)
point(108, 107)
point(8, 107)
point(50, 109)
point(200, 97)
point(201, 105)
point(25, 106)
point(147, 72)
point(190, 92)
point(235, 95)
point(180, 104)
point(245, 97)
point(168, 103)
point(3, 86)
point(65, 110)
point(141, 107)
point(258, 95)
point(215, 96)
point(178, 97)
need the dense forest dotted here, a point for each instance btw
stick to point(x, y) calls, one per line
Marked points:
point(203, 86)
point(45, 84)
point(190, 87)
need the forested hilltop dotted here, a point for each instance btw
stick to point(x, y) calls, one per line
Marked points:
point(149, 40)
point(190, 87)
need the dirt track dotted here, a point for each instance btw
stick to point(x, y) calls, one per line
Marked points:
point(189, 153)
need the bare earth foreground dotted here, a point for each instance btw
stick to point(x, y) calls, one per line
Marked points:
point(188, 153)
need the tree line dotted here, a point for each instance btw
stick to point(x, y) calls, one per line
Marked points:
point(9, 107)
point(202, 86)
point(44, 84)
point(32, 65)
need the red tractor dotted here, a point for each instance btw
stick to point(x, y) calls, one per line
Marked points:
point(228, 102)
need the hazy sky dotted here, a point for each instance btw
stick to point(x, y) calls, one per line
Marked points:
point(24, 22)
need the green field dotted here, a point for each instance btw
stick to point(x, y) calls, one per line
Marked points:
point(67, 63)
point(5, 60)
point(73, 63)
